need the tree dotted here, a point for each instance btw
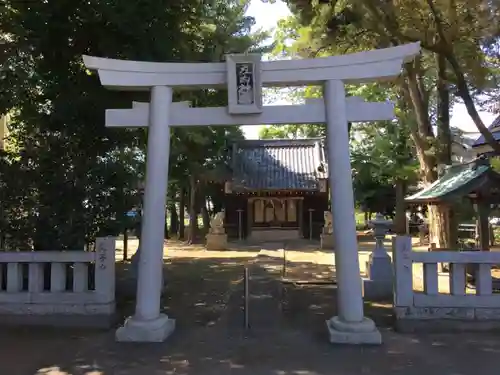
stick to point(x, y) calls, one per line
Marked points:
point(202, 152)
point(384, 166)
point(292, 131)
point(68, 178)
point(451, 55)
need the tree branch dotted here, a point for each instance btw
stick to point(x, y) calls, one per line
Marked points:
point(418, 101)
point(462, 88)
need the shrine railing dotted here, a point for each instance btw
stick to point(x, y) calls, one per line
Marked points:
point(58, 285)
point(465, 293)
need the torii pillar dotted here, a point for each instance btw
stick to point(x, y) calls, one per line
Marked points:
point(148, 324)
point(350, 326)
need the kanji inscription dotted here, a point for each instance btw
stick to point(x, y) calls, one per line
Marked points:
point(245, 83)
point(102, 256)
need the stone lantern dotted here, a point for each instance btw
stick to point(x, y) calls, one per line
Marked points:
point(380, 227)
point(379, 265)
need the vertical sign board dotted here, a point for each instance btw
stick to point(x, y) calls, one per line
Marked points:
point(244, 84)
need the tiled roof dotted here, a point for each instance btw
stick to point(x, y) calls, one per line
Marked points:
point(495, 131)
point(278, 164)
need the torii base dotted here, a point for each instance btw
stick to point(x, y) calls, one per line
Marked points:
point(364, 332)
point(157, 330)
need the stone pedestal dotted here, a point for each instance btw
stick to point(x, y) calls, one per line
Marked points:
point(363, 332)
point(136, 330)
point(379, 284)
point(326, 240)
point(216, 241)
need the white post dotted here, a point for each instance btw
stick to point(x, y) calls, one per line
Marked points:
point(350, 326)
point(105, 270)
point(148, 325)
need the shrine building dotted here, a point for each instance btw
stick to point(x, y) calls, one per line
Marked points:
point(278, 189)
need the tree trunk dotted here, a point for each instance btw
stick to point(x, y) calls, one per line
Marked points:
point(193, 217)
point(400, 209)
point(442, 227)
point(442, 222)
point(182, 214)
point(174, 220)
point(367, 218)
point(172, 210)
point(443, 114)
point(483, 225)
point(417, 100)
point(439, 216)
point(206, 218)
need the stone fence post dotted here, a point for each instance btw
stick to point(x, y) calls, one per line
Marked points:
point(105, 269)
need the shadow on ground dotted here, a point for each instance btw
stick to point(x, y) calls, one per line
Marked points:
point(197, 294)
point(196, 289)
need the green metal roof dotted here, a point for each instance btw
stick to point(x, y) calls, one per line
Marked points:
point(458, 180)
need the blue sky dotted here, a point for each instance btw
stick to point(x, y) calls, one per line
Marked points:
point(267, 15)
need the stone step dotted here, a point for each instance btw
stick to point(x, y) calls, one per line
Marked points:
point(274, 235)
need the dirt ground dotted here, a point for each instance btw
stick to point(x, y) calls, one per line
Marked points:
point(202, 286)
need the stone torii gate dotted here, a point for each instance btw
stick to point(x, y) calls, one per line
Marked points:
point(244, 76)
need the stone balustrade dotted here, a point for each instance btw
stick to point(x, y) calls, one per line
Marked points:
point(444, 301)
point(59, 288)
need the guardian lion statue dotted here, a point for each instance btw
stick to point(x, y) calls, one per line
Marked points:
point(217, 223)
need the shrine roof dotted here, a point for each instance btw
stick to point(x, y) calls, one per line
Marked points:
point(494, 128)
point(279, 164)
point(458, 181)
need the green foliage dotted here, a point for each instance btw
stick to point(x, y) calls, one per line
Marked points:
point(495, 164)
point(66, 177)
point(463, 33)
point(292, 131)
point(381, 153)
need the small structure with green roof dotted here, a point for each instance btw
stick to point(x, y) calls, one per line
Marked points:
point(469, 179)
point(475, 180)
